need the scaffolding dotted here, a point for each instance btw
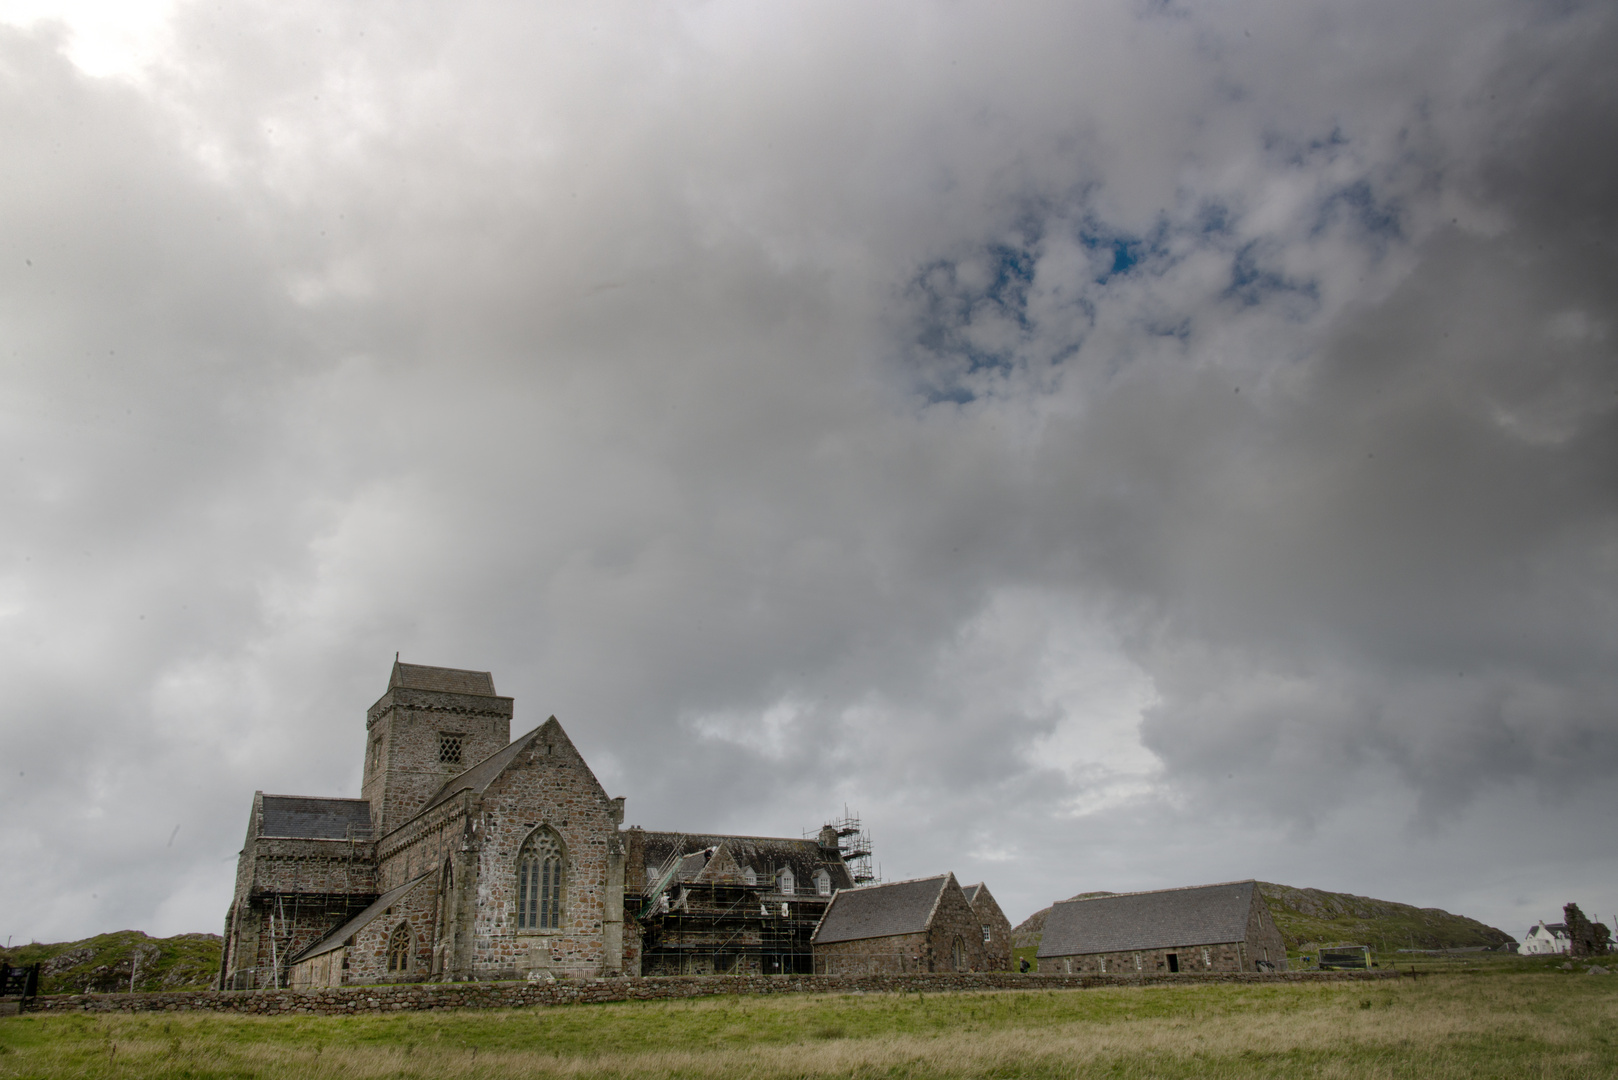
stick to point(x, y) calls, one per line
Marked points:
point(854, 844)
point(719, 928)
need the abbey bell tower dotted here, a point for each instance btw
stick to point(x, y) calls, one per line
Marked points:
point(432, 724)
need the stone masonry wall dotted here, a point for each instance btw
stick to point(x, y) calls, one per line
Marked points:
point(1264, 941)
point(417, 910)
point(325, 867)
point(425, 996)
point(309, 886)
point(298, 922)
point(955, 920)
point(997, 950)
point(422, 844)
point(402, 769)
point(894, 955)
point(1199, 959)
point(549, 785)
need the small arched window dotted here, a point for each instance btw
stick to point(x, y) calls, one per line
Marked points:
point(399, 948)
point(788, 885)
point(541, 872)
point(957, 955)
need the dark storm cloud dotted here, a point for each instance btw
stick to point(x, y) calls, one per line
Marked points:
point(1109, 447)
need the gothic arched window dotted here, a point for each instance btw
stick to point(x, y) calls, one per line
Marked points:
point(957, 955)
point(540, 875)
point(399, 948)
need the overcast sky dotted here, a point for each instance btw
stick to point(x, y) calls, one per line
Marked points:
point(1107, 445)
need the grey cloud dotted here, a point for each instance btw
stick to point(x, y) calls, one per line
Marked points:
point(1049, 432)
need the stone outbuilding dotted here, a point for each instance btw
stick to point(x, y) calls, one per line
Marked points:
point(1203, 928)
point(996, 927)
point(926, 924)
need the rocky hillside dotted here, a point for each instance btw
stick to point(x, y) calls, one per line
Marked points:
point(104, 963)
point(1308, 917)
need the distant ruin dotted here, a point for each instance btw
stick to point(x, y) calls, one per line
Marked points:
point(1587, 938)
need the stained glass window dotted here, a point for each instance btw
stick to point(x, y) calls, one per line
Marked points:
point(540, 881)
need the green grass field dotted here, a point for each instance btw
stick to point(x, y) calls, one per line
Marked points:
point(1490, 1021)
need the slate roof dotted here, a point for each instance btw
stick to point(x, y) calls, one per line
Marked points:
point(899, 907)
point(481, 775)
point(1168, 918)
point(335, 938)
point(972, 891)
point(444, 680)
point(759, 852)
point(313, 818)
point(692, 865)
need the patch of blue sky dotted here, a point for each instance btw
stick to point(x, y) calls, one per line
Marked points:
point(1298, 151)
point(1357, 202)
point(1214, 218)
point(1128, 250)
point(1179, 329)
point(953, 393)
point(977, 325)
point(1252, 282)
point(1013, 275)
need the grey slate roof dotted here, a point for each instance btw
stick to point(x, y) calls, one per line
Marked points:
point(444, 680)
point(972, 891)
point(313, 818)
point(900, 907)
point(759, 852)
point(692, 865)
point(481, 775)
point(1201, 915)
point(335, 938)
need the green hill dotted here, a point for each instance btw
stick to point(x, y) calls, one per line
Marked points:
point(103, 964)
point(1310, 917)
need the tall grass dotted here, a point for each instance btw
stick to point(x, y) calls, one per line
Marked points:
point(1538, 1025)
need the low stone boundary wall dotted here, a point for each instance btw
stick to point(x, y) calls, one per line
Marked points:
point(515, 995)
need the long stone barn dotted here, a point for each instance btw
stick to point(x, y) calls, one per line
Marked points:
point(1202, 928)
point(470, 855)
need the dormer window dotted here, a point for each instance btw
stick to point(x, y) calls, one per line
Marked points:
point(788, 885)
point(749, 876)
point(449, 747)
point(822, 882)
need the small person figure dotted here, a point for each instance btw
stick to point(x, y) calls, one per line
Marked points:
point(1025, 965)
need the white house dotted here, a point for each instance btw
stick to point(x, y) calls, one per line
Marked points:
point(1543, 940)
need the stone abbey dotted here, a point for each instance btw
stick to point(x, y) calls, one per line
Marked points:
point(470, 855)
